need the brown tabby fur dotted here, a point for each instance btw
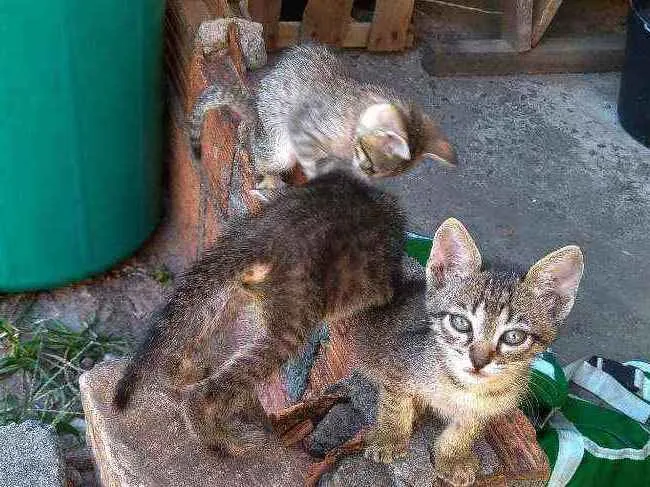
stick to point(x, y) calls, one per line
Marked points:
point(321, 251)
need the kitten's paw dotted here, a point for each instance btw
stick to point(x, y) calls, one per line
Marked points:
point(264, 196)
point(458, 471)
point(386, 450)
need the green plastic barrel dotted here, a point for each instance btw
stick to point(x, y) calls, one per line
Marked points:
point(80, 136)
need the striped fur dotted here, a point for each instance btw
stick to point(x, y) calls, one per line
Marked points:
point(309, 107)
point(322, 251)
point(442, 343)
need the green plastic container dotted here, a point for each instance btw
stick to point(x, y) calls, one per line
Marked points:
point(80, 136)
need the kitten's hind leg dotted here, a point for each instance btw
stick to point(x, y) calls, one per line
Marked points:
point(238, 427)
point(223, 410)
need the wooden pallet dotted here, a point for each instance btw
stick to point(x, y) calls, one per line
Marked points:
point(521, 46)
point(331, 22)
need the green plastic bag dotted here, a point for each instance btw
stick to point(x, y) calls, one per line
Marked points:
point(589, 444)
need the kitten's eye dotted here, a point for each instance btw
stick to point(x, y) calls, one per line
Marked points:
point(460, 323)
point(514, 337)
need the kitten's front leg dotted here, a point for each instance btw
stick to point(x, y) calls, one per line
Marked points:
point(269, 188)
point(453, 458)
point(390, 438)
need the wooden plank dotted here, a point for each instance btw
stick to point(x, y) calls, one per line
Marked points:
point(543, 13)
point(218, 8)
point(356, 37)
point(326, 21)
point(517, 26)
point(513, 439)
point(267, 13)
point(390, 25)
point(598, 53)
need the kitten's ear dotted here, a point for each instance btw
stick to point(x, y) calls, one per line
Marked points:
point(436, 146)
point(381, 116)
point(453, 254)
point(387, 143)
point(557, 277)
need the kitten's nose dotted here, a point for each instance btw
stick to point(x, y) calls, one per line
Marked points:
point(480, 354)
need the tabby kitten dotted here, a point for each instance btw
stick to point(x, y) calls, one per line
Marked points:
point(460, 343)
point(321, 251)
point(308, 107)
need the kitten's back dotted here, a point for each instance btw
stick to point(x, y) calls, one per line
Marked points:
point(333, 216)
point(311, 80)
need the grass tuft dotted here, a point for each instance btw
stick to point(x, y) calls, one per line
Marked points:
point(40, 370)
point(162, 275)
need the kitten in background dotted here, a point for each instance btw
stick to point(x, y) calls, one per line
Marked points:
point(308, 107)
point(459, 343)
point(321, 251)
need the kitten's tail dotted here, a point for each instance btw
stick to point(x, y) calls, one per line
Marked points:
point(213, 97)
point(146, 355)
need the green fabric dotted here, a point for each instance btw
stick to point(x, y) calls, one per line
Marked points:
point(418, 247)
point(548, 385)
point(607, 428)
point(601, 436)
point(620, 473)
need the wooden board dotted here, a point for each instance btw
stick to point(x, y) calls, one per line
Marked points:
point(390, 25)
point(267, 13)
point(514, 441)
point(218, 8)
point(182, 20)
point(356, 36)
point(326, 21)
point(553, 55)
point(543, 13)
point(517, 23)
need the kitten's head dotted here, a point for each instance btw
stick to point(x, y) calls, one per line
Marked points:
point(488, 325)
point(390, 139)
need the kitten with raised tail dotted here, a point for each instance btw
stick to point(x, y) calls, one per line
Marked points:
point(309, 107)
point(459, 343)
point(324, 250)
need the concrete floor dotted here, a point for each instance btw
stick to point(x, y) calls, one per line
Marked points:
point(544, 163)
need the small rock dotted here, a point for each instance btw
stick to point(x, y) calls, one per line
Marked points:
point(340, 424)
point(344, 420)
point(358, 471)
point(87, 363)
point(30, 456)
point(79, 424)
point(213, 35)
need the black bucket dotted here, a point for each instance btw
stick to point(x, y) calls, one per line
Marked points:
point(634, 96)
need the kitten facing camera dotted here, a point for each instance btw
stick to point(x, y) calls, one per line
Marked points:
point(459, 342)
